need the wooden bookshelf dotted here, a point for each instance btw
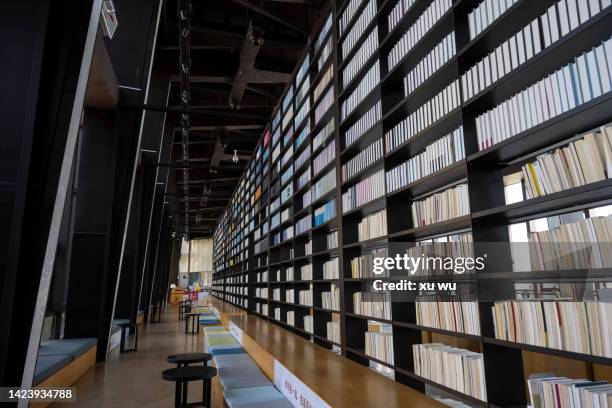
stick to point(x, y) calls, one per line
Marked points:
point(245, 243)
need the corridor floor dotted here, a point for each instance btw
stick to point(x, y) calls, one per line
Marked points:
point(134, 379)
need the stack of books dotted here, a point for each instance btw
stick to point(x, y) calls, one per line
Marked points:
point(578, 82)
point(361, 266)
point(363, 192)
point(332, 240)
point(426, 115)
point(289, 296)
point(580, 327)
point(379, 345)
point(372, 226)
point(418, 30)
point(305, 297)
point(324, 185)
point(455, 368)
point(443, 52)
point(368, 47)
point(577, 245)
point(485, 13)
point(331, 300)
point(325, 212)
point(333, 331)
point(459, 317)
point(446, 205)
point(308, 324)
point(585, 160)
point(306, 272)
point(291, 317)
point(363, 159)
point(550, 391)
point(331, 269)
point(370, 80)
point(397, 12)
point(375, 305)
point(438, 155)
point(363, 124)
point(358, 27)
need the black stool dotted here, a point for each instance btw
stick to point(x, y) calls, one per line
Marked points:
point(125, 328)
point(183, 310)
point(195, 323)
point(182, 376)
point(184, 359)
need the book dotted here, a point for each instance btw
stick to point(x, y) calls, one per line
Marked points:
point(459, 369)
point(446, 205)
point(563, 325)
point(575, 82)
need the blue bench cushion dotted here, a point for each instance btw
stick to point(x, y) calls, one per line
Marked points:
point(245, 371)
point(254, 395)
point(233, 360)
point(47, 365)
point(208, 321)
point(71, 347)
point(226, 351)
point(214, 329)
point(120, 321)
point(242, 377)
point(229, 382)
point(280, 403)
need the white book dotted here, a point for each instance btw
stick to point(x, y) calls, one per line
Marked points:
point(537, 41)
point(593, 74)
point(556, 95)
point(513, 52)
point(572, 12)
point(520, 43)
point(554, 26)
point(487, 72)
point(604, 71)
point(583, 75)
point(499, 62)
point(569, 87)
point(551, 98)
point(472, 25)
point(583, 10)
point(525, 109)
point(558, 82)
point(594, 7)
point(564, 25)
point(546, 29)
point(493, 64)
point(528, 42)
point(506, 52)
point(605, 3)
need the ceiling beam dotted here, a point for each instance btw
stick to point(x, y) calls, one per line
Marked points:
point(271, 16)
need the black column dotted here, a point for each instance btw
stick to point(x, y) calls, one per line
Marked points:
point(43, 51)
point(90, 273)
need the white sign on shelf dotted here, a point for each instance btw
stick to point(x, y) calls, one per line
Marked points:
point(295, 390)
point(236, 332)
point(109, 18)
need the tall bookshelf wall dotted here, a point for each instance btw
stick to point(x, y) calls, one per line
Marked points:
point(272, 241)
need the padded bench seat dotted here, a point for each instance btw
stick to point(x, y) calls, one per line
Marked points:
point(54, 355)
point(233, 360)
point(267, 396)
point(48, 365)
point(72, 347)
point(242, 377)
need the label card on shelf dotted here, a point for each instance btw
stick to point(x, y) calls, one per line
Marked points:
point(298, 394)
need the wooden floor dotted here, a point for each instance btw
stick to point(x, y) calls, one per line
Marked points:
point(134, 379)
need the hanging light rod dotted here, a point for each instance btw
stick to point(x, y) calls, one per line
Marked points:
point(197, 112)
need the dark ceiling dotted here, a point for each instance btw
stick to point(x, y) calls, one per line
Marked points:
point(242, 54)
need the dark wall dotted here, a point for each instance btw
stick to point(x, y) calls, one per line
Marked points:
point(43, 52)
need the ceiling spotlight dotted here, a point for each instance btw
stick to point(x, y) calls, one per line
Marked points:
point(235, 157)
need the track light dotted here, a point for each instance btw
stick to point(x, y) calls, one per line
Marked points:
point(235, 157)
